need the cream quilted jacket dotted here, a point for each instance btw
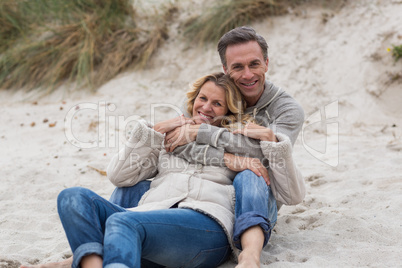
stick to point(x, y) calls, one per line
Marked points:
point(206, 189)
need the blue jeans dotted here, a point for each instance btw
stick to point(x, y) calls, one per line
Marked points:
point(170, 237)
point(255, 203)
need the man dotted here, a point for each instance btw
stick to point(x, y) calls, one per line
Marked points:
point(244, 55)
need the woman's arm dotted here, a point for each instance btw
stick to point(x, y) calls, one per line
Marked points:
point(138, 160)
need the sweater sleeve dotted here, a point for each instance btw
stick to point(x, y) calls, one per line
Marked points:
point(204, 154)
point(287, 183)
point(288, 117)
point(138, 159)
point(231, 143)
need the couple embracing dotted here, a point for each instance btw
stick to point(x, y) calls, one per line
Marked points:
point(220, 172)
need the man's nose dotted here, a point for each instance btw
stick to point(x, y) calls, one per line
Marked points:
point(247, 74)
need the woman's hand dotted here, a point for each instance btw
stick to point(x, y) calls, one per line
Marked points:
point(181, 136)
point(255, 131)
point(239, 163)
point(168, 125)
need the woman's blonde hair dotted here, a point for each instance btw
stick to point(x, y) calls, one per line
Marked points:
point(235, 103)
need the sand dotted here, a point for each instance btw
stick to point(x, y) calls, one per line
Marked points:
point(334, 61)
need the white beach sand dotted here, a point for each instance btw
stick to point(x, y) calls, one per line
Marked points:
point(334, 61)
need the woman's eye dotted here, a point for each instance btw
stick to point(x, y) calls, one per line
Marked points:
point(218, 104)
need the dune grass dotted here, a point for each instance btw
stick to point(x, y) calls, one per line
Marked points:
point(397, 52)
point(82, 42)
point(13, 26)
point(225, 15)
point(46, 43)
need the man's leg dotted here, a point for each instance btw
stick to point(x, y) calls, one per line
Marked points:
point(128, 197)
point(255, 216)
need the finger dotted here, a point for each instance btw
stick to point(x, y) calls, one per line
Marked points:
point(166, 141)
point(252, 125)
point(238, 131)
point(265, 175)
point(262, 171)
point(256, 171)
point(171, 148)
point(168, 147)
point(169, 135)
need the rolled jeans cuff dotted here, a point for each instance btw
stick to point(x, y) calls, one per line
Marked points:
point(85, 250)
point(248, 220)
point(116, 265)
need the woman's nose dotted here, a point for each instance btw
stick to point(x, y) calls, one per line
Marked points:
point(207, 106)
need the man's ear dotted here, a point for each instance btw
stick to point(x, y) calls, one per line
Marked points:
point(224, 69)
point(266, 65)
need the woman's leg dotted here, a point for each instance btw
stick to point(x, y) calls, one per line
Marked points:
point(125, 197)
point(171, 237)
point(83, 215)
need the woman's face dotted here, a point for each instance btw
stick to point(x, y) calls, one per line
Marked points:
point(210, 104)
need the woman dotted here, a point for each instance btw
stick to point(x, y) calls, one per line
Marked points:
point(186, 218)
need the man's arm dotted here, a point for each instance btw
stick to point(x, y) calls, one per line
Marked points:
point(208, 143)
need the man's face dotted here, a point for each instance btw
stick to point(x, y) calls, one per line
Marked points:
point(247, 67)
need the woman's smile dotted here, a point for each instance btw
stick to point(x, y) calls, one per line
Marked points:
point(210, 104)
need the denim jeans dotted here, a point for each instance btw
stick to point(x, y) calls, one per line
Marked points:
point(170, 237)
point(255, 203)
point(128, 197)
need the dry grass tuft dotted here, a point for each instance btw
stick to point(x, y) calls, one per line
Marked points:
point(228, 14)
point(45, 43)
point(86, 43)
point(12, 24)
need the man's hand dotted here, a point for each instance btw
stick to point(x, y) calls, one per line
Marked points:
point(257, 132)
point(239, 163)
point(169, 125)
point(180, 136)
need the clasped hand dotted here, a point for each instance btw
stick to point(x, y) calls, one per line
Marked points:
point(257, 132)
point(179, 131)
